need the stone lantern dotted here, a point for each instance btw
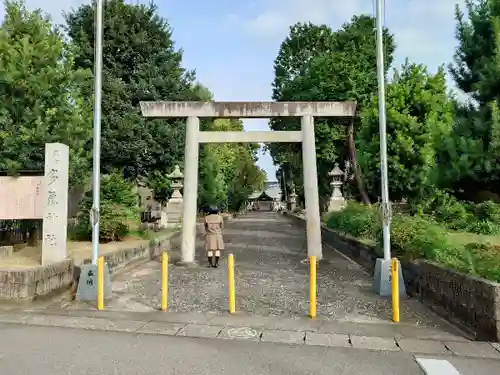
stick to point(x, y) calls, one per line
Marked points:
point(177, 178)
point(175, 203)
point(337, 200)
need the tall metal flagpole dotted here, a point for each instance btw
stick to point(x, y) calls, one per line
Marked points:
point(382, 277)
point(383, 135)
point(96, 171)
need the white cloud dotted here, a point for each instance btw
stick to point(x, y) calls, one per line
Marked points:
point(54, 8)
point(424, 29)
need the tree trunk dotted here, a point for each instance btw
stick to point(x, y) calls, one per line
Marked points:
point(354, 161)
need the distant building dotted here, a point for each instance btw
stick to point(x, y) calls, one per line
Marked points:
point(267, 199)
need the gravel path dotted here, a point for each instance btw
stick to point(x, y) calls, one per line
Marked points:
point(270, 280)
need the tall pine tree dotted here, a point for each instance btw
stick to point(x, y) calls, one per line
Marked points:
point(140, 63)
point(472, 155)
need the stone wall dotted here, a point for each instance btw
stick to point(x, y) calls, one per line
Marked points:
point(122, 258)
point(29, 284)
point(468, 301)
point(463, 299)
point(6, 251)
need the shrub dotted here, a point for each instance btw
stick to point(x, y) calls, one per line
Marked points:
point(486, 219)
point(414, 237)
point(485, 260)
point(485, 227)
point(355, 219)
point(483, 218)
point(488, 211)
point(119, 212)
point(452, 213)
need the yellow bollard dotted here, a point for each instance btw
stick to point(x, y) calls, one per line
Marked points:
point(312, 286)
point(164, 281)
point(230, 279)
point(395, 290)
point(100, 283)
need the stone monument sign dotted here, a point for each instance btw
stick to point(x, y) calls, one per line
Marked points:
point(55, 213)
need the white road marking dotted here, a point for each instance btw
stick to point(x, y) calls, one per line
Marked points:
point(436, 366)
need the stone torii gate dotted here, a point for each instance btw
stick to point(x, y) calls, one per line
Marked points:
point(194, 110)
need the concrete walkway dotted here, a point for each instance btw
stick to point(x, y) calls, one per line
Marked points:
point(270, 281)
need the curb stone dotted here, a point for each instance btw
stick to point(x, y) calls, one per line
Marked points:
point(207, 330)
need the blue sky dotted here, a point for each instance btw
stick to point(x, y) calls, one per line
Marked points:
point(232, 44)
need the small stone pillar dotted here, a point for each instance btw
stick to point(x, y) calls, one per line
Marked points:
point(337, 200)
point(292, 199)
point(163, 216)
point(176, 201)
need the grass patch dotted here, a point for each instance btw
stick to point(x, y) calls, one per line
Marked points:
point(464, 238)
point(422, 237)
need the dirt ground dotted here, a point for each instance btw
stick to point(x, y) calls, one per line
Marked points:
point(28, 256)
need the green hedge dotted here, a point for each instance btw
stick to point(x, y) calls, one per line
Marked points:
point(420, 237)
point(119, 216)
point(481, 218)
point(356, 219)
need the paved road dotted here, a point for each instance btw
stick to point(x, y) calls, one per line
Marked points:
point(29, 350)
point(270, 280)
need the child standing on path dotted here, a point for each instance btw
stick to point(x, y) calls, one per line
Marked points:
point(214, 243)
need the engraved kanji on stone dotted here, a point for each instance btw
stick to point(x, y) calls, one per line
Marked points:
point(52, 176)
point(51, 239)
point(56, 155)
point(52, 216)
point(51, 198)
point(90, 280)
point(38, 188)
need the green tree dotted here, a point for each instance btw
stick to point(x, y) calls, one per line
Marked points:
point(334, 66)
point(226, 163)
point(305, 41)
point(161, 186)
point(140, 63)
point(41, 98)
point(419, 118)
point(248, 178)
point(119, 213)
point(472, 155)
point(209, 190)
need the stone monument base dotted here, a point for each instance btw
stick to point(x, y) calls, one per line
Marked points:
point(184, 264)
point(87, 285)
point(335, 205)
point(173, 222)
point(382, 279)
